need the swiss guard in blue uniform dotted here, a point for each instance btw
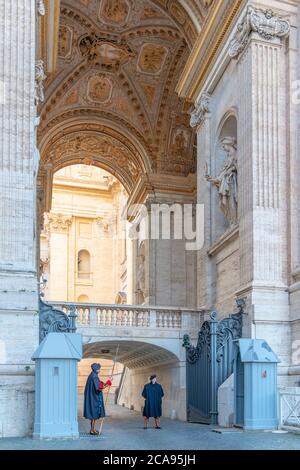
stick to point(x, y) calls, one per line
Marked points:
point(93, 398)
point(153, 393)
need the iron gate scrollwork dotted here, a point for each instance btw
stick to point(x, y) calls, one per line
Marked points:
point(210, 363)
point(53, 320)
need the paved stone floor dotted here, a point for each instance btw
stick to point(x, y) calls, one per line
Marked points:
point(123, 429)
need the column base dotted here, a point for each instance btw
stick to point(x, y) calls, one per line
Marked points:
point(16, 405)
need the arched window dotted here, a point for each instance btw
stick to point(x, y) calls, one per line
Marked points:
point(83, 298)
point(84, 264)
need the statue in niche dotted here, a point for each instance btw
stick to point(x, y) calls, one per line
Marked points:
point(226, 182)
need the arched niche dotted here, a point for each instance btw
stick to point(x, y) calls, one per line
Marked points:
point(226, 129)
point(83, 264)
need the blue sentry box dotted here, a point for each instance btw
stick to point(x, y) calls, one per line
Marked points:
point(255, 385)
point(56, 361)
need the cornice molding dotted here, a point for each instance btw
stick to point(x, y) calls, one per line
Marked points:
point(216, 29)
point(155, 185)
point(48, 32)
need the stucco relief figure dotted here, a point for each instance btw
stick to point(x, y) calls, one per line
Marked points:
point(226, 182)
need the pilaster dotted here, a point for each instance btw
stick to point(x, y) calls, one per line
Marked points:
point(18, 168)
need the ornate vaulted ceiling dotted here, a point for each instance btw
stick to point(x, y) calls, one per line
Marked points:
point(111, 100)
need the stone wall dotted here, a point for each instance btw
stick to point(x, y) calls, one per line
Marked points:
point(251, 84)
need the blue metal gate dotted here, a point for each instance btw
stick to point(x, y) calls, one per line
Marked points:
point(210, 363)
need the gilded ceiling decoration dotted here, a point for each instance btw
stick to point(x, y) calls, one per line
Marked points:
point(118, 65)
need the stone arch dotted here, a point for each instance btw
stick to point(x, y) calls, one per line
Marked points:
point(228, 124)
point(97, 142)
point(142, 357)
point(134, 354)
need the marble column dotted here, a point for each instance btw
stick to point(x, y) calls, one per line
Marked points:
point(18, 167)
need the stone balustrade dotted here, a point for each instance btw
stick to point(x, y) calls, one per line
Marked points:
point(113, 315)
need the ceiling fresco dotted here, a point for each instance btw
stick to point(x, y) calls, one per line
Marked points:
point(118, 65)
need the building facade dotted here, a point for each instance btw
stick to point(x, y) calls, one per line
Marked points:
point(185, 103)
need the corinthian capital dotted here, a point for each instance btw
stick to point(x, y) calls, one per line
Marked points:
point(200, 110)
point(266, 24)
point(58, 222)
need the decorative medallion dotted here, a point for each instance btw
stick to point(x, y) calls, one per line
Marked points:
point(152, 58)
point(65, 41)
point(100, 89)
point(114, 11)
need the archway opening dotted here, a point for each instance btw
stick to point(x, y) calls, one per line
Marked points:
point(84, 251)
point(135, 361)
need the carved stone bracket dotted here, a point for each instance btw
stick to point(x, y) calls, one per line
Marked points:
point(41, 7)
point(200, 111)
point(266, 24)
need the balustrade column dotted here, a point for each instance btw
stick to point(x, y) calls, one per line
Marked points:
point(93, 316)
point(152, 318)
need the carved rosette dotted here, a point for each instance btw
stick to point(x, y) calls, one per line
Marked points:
point(200, 111)
point(266, 24)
